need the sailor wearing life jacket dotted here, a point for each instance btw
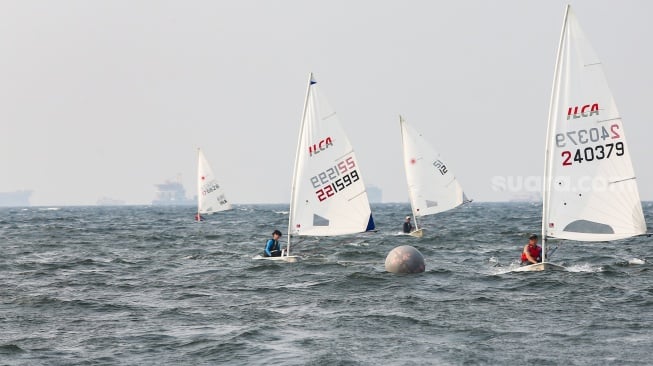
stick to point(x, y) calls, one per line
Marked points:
point(531, 253)
point(272, 246)
point(408, 227)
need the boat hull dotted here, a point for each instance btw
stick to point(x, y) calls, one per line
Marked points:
point(537, 267)
point(285, 258)
point(417, 233)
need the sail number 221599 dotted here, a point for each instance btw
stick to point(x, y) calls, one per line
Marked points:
point(335, 178)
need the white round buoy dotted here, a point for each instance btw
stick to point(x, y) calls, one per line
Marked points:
point(404, 259)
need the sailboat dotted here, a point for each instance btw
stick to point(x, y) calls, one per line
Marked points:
point(590, 190)
point(210, 196)
point(432, 186)
point(328, 195)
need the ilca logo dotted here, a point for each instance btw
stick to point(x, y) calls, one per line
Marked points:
point(585, 111)
point(320, 146)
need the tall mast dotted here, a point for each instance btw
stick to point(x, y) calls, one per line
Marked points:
point(199, 184)
point(297, 152)
point(555, 93)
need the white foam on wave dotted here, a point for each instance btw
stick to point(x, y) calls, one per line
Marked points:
point(282, 212)
point(358, 244)
point(636, 261)
point(585, 267)
point(499, 270)
point(307, 284)
point(513, 266)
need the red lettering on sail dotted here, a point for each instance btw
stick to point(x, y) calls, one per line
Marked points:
point(320, 146)
point(586, 110)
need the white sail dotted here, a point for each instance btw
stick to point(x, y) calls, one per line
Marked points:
point(328, 195)
point(590, 190)
point(210, 196)
point(432, 186)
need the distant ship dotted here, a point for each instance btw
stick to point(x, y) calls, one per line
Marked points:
point(374, 193)
point(15, 198)
point(172, 194)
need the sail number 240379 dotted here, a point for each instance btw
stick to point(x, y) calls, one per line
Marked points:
point(590, 153)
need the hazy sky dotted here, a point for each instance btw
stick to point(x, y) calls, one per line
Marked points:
point(107, 98)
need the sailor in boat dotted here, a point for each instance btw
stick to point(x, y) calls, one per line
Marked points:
point(272, 248)
point(532, 253)
point(199, 217)
point(408, 226)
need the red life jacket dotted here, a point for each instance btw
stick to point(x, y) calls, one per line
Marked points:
point(535, 252)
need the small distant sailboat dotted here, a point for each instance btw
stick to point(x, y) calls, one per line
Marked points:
point(590, 190)
point(328, 195)
point(432, 186)
point(210, 196)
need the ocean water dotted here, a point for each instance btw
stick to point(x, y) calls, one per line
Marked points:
point(149, 286)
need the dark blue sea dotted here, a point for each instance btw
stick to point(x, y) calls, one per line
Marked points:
point(150, 286)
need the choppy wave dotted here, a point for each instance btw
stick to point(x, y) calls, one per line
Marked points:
point(149, 285)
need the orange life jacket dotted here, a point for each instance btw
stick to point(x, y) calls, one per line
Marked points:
point(535, 252)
